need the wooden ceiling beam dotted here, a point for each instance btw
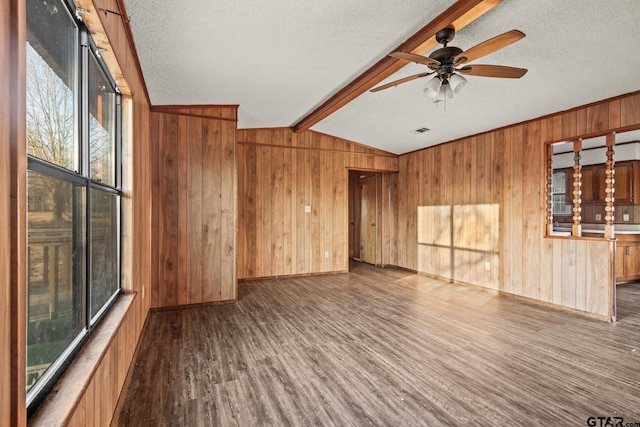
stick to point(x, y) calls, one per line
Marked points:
point(459, 15)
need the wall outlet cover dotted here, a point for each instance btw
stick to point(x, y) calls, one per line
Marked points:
point(307, 209)
point(326, 254)
point(625, 217)
point(487, 266)
point(598, 217)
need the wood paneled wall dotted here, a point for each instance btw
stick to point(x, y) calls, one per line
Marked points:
point(91, 400)
point(194, 205)
point(473, 211)
point(279, 173)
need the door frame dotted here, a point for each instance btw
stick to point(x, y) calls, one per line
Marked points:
point(387, 213)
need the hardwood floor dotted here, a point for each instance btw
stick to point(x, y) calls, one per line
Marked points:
point(381, 347)
point(628, 301)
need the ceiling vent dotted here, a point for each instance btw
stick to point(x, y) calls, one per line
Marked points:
point(421, 130)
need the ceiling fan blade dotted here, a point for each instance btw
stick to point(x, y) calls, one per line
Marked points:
point(400, 81)
point(491, 45)
point(412, 57)
point(492, 71)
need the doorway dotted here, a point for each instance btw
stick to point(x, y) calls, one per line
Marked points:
point(372, 216)
point(368, 218)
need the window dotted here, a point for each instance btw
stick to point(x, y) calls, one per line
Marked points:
point(561, 206)
point(73, 186)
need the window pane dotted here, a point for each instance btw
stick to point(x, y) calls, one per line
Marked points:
point(104, 248)
point(51, 84)
point(559, 182)
point(101, 125)
point(560, 205)
point(55, 257)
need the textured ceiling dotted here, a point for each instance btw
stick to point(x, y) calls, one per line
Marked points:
point(279, 59)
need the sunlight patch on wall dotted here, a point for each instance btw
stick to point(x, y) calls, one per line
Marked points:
point(460, 242)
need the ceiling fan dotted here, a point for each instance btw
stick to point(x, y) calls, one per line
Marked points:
point(443, 62)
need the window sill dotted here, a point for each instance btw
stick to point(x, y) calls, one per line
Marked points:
point(61, 402)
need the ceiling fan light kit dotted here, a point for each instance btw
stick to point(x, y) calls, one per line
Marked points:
point(457, 82)
point(443, 62)
point(445, 91)
point(432, 87)
point(441, 88)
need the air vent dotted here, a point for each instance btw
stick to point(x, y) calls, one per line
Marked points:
point(421, 130)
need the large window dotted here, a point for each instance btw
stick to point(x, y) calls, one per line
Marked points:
point(73, 187)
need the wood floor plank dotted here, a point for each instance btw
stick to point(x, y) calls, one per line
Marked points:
point(383, 347)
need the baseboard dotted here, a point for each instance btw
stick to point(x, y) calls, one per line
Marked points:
point(285, 276)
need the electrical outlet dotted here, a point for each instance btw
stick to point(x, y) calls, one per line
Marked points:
point(625, 217)
point(307, 209)
point(487, 266)
point(326, 254)
point(598, 217)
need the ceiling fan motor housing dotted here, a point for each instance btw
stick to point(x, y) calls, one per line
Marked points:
point(446, 57)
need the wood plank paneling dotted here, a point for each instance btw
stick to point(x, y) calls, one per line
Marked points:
point(502, 171)
point(597, 117)
point(514, 216)
point(193, 207)
point(211, 211)
point(288, 172)
point(532, 176)
point(168, 210)
point(630, 110)
point(228, 195)
point(196, 205)
point(182, 208)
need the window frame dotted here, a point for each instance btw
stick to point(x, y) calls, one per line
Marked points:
point(84, 47)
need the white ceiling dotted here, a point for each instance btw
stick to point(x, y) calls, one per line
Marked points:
point(280, 59)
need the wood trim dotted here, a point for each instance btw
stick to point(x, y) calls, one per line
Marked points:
point(595, 148)
point(331, 150)
point(576, 238)
point(377, 151)
point(172, 107)
point(576, 229)
point(609, 232)
point(201, 116)
point(94, 22)
point(363, 147)
point(285, 276)
point(13, 267)
point(459, 15)
point(132, 47)
point(192, 305)
point(373, 171)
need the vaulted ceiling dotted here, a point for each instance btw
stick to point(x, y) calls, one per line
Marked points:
point(280, 59)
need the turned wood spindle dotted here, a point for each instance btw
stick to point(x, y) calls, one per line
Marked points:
point(576, 229)
point(609, 232)
point(549, 189)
